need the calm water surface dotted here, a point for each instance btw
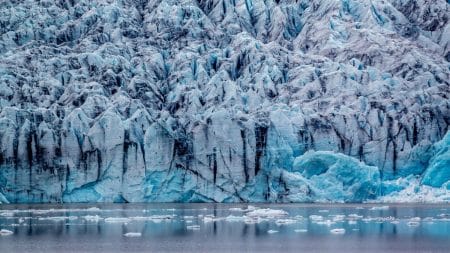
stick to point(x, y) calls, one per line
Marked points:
point(224, 228)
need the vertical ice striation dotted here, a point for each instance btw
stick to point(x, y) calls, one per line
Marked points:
point(222, 100)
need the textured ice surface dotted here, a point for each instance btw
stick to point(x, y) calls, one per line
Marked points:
point(217, 100)
point(438, 171)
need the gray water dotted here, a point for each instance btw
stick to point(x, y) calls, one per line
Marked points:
point(224, 228)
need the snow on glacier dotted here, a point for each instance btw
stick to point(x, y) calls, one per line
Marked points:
point(224, 101)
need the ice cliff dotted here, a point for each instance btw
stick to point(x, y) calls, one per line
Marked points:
point(223, 100)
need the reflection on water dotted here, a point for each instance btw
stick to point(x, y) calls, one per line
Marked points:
point(224, 228)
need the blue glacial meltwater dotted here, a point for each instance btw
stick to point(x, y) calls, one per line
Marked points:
point(224, 228)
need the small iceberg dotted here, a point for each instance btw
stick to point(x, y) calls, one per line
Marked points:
point(272, 231)
point(117, 220)
point(326, 223)
point(316, 217)
point(267, 212)
point(379, 208)
point(280, 222)
point(4, 232)
point(193, 227)
point(413, 223)
point(232, 218)
point(92, 218)
point(53, 218)
point(133, 234)
point(338, 231)
point(355, 216)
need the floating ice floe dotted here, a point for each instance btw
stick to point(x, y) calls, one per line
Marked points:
point(338, 231)
point(254, 220)
point(267, 212)
point(193, 227)
point(154, 218)
point(415, 219)
point(338, 217)
point(4, 232)
point(272, 231)
point(211, 218)
point(92, 218)
point(300, 230)
point(54, 218)
point(7, 214)
point(207, 219)
point(285, 221)
point(232, 218)
point(379, 208)
point(62, 210)
point(324, 211)
point(133, 234)
point(117, 220)
point(413, 223)
point(354, 216)
point(326, 222)
point(316, 217)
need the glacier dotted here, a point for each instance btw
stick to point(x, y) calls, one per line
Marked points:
point(224, 101)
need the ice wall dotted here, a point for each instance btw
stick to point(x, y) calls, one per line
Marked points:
point(217, 100)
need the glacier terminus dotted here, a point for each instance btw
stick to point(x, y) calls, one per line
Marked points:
point(224, 101)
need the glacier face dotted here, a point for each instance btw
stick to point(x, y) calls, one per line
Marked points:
point(222, 100)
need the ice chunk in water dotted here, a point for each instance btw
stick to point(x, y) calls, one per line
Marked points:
point(117, 220)
point(413, 223)
point(379, 208)
point(4, 232)
point(133, 234)
point(93, 218)
point(193, 227)
point(280, 222)
point(316, 217)
point(232, 218)
point(338, 231)
point(267, 212)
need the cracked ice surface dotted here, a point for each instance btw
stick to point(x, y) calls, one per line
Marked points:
point(222, 100)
